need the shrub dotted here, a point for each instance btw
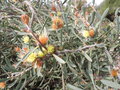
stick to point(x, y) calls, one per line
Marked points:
point(62, 48)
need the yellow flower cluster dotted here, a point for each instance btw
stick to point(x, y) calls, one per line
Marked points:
point(88, 33)
point(41, 54)
point(31, 58)
point(50, 49)
point(85, 33)
point(26, 39)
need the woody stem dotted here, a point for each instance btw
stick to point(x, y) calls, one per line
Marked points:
point(34, 36)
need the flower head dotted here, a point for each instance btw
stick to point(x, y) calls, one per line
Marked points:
point(59, 13)
point(57, 23)
point(54, 26)
point(17, 49)
point(25, 39)
point(114, 73)
point(53, 8)
point(31, 58)
point(85, 34)
point(2, 85)
point(25, 19)
point(43, 38)
point(50, 49)
point(91, 33)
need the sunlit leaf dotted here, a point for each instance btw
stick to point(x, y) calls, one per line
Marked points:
point(60, 60)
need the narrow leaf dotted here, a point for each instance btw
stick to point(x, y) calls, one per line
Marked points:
point(109, 56)
point(104, 14)
point(60, 60)
point(111, 84)
point(92, 18)
point(4, 79)
point(71, 87)
point(87, 57)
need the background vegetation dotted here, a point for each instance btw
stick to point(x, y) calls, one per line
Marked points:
point(81, 63)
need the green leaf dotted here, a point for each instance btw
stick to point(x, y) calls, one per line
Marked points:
point(111, 84)
point(13, 83)
point(61, 61)
point(4, 79)
point(104, 14)
point(109, 56)
point(92, 18)
point(23, 85)
point(91, 76)
point(19, 85)
point(87, 56)
point(39, 72)
point(71, 87)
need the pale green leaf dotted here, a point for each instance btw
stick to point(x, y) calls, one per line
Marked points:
point(60, 60)
point(87, 56)
point(71, 87)
point(111, 84)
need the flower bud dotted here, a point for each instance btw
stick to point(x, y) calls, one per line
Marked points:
point(43, 38)
point(25, 19)
point(91, 32)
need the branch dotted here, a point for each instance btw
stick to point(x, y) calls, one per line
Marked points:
point(17, 74)
point(80, 49)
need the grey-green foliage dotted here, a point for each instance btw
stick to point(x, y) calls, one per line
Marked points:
point(112, 4)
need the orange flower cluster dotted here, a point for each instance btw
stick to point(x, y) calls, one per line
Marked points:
point(114, 73)
point(91, 33)
point(43, 39)
point(25, 19)
point(57, 23)
point(53, 8)
point(2, 85)
point(38, 63)
point(17, 49)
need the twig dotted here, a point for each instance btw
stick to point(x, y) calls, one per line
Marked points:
point(34, 36)
point(17, 74)
point(2, 17)
point(33, 11)
point(63, 81)
point(15, 8)
point(79, 49)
